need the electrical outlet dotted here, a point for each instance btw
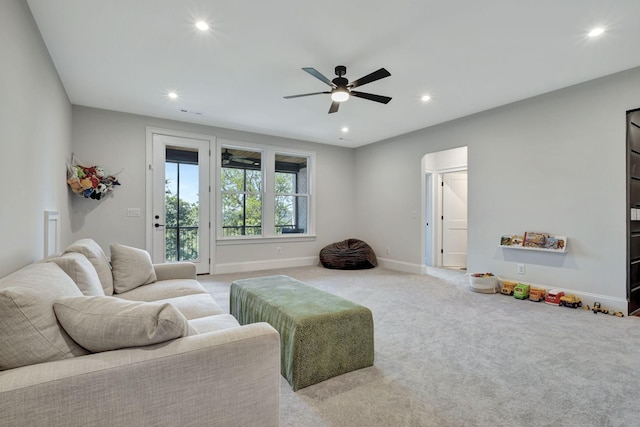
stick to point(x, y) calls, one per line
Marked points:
point(388, 250)
point(520, 268)
point(134, 212)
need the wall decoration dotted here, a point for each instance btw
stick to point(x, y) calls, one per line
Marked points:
point(90, 182)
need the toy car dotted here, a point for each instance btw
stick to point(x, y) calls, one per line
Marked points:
point(597, 308)
point(507, 287)
point(570, 301)
point(553, 297)
point(521, 291)
point(536, 294)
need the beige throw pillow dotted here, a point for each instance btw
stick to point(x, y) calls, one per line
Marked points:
point(29, 331)
point(81, 271)
point(109, 323)
point(93, 251)
point(131, 267)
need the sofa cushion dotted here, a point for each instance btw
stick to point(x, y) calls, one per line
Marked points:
point(194, 306)
point(163, 290)
point(94, 253)
point(81, 271)
point(218, 322)
point(131, 267)
point(105, 323)
point(30, 332)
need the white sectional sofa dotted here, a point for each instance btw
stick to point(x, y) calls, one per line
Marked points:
point(86, 342)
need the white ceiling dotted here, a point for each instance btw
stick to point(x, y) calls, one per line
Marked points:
point(469, 55)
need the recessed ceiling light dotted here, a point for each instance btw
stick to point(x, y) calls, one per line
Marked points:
point(202, 26)
point(345, 129)
point(172, 95)
point(425, 98)
point(596, 32)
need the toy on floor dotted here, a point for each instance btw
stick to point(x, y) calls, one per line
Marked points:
point(521, 291)
point(485, 283)
point(507, 287)
point(537, 294)
point(597, 308)
point(553, 297)
point(570, 301)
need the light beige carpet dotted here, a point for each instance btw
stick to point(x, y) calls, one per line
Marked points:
point(445, 356)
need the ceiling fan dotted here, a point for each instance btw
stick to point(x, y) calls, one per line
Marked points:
point(341, 89)
point(228, 158)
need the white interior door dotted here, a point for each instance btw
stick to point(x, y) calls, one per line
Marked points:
point(454, 219)
point(180, 200)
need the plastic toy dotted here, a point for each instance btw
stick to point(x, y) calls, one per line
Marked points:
point(553, 297)
point(597, 308)
point(507, 288)
point(537, 294)
point(570, 301)
point(521, 291)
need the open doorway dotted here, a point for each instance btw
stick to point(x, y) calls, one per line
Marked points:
point(445, 208)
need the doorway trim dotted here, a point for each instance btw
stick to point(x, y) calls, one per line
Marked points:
point(150, 131)
point(431, 202)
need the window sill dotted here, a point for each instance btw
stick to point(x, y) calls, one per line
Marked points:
point(252, 240)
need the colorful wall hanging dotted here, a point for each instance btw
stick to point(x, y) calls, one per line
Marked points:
point(90, 182)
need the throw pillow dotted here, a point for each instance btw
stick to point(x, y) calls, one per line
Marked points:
point(79, 268)
point(131, 267)
point(94, 253)
point(29, 331)
point(109, 323)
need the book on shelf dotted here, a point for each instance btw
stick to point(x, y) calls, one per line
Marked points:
point(534, 240)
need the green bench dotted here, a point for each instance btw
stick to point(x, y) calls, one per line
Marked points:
point(321, 335)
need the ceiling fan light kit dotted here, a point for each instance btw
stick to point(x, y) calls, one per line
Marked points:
point(341, 89)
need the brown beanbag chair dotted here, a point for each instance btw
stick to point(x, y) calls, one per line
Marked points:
point(350, 254)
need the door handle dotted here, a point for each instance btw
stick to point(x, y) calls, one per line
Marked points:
point(156, 225)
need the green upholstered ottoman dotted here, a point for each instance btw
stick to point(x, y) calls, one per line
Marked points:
point(321, 335)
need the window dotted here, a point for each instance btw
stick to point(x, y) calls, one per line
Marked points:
point(181, 205)
point(264, 192)
point(291, 194)
point(241, 192)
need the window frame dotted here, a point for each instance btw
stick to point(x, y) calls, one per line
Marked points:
point(268, 193)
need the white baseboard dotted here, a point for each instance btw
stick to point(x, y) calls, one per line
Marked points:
point(242, 267)
point(401, 266)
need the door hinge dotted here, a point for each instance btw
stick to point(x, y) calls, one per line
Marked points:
point(150, 167)
point(442, 217)
point(442, 183)
point(441, 251)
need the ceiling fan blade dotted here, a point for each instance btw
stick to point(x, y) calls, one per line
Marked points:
point(371, 97)
point(318, 75)
point(334, 107)
point(376, 75)
point(304, 94)
point(243, 160)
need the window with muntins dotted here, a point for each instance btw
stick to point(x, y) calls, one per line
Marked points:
point(264, 192)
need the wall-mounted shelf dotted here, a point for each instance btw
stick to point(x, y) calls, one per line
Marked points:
point(540, 242)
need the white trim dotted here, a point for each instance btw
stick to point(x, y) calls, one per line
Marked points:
point(268, 153)
point(51, 233)
point(243, 267)
point(150, 131)
point(406, 267)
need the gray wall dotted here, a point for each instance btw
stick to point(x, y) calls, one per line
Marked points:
point(554, 163)
point(35, 139)
point(117, 142)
